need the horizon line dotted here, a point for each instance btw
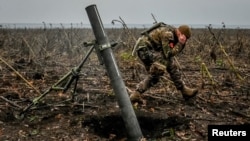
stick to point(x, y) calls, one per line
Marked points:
point(108, 25)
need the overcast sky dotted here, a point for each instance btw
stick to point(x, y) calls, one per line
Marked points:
point(232, 12)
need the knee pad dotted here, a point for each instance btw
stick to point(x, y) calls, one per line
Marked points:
point(157, 69)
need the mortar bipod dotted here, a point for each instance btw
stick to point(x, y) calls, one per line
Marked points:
point(64, 83)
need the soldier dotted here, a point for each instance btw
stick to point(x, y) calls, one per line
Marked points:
point(156, 49)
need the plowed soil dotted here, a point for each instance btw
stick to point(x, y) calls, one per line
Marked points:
point(34, 60)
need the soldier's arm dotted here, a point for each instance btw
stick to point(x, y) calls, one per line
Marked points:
point(169, 49)
point(166, 37)
point(179, 45)
point(176, 49)
point(166, 50)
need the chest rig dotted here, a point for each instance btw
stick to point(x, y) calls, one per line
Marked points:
point(157, 46)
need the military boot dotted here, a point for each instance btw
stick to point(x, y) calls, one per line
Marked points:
point(188, 93)
point(136, 97)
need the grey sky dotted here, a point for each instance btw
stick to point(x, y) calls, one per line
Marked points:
point(232, 12)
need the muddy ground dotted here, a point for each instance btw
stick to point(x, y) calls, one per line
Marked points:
point(34, 60)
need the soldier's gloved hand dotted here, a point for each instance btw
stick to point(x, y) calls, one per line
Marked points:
point(182, 39)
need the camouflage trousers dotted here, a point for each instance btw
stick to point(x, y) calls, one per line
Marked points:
point(156, 65)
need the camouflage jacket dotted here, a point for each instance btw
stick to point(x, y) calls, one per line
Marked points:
point(163, 39)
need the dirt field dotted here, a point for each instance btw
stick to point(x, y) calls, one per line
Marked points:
point(34, 60)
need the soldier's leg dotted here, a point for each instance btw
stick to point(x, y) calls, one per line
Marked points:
point(175, 75)
point(148, 82)
point(156, 70)
point(143, 54)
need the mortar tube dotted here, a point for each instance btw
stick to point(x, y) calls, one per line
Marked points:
point(127, 112)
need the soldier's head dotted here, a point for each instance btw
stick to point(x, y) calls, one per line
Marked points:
point(185, 29)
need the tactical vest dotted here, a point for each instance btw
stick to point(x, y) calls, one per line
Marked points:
point(146, 33)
